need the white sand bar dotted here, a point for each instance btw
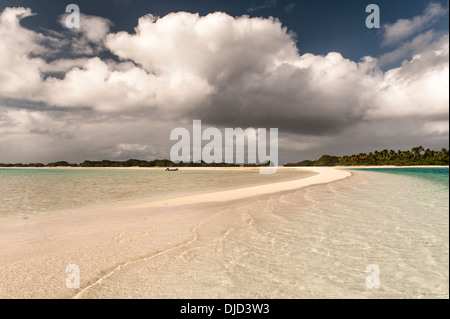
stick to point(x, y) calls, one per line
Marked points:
point(34, 253)
point(323, 175)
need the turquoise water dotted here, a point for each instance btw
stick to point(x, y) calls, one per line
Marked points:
point(434, 174)
point(315, 242)
point(31, 192)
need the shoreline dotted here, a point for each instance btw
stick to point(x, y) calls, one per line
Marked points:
point(102, 241)
point(140, 250)
point(240, 192)
point(391, 166)
point(318, 176)
point(322, 176)
point(225, 168)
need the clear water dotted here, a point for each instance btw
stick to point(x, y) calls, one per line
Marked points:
point(29, 192)
point(434, 174)
point(316, 242)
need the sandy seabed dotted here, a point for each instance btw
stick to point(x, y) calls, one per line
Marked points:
point(35, 252)
point(201, 246)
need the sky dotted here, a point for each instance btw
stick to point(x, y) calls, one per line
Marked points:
point(135, 70)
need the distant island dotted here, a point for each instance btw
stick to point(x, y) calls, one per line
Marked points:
point(130, 163)
point(417, 156)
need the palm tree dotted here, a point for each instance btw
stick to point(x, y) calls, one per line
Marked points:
point(443, 154)
point(417, 151)
point(391, 155)
point(428, 153)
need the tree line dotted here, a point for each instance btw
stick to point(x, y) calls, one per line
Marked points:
point(128, 163)
point(414, 157)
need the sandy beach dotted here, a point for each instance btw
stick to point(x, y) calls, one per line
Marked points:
point(35, 252)
point(312, 237)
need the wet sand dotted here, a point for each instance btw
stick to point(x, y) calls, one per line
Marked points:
point(106, 243)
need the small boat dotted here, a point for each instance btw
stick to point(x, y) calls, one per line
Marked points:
point(171, 170)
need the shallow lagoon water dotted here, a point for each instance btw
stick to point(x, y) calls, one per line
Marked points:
point(315, 242)
point(32, 192)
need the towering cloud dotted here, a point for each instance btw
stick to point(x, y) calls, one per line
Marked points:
point(226, 71)
point(19, 73)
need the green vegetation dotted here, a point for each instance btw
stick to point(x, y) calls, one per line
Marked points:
point(417, 156)
point(128, 163)
point(61, 164)
point(23, 165)
point(155, 163)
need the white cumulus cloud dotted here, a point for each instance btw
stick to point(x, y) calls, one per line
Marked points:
point(226, 71)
